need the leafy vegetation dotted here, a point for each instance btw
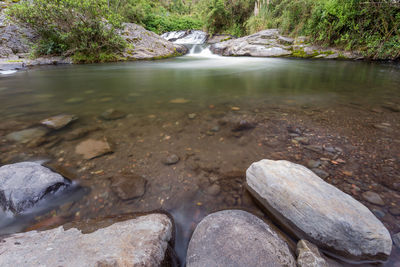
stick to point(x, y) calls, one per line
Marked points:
point(86, 29)
point(371, 27)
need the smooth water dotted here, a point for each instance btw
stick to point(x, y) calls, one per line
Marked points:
point(188, 106)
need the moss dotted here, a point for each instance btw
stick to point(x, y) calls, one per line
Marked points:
point(14, 60)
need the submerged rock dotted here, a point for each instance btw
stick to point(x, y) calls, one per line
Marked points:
point(25, 183)
point(318, 211)
point(59, 121)
point(91, 148)
point(112, 114)
point(171, 159)
point(129, 186)
point(236, 238)
point(27, 135)
point(373, 198)
point(137, 242)
point(308, 255)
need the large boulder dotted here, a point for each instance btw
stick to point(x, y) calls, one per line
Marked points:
point(236, 238)
point(144, 44)
point(137, 242)
point(262, 44)
point(25, 183)
point(318, 211)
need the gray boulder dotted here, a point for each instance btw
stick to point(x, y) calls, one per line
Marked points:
point(25, 183)
point(318, 211)
point(138, 242)
point(144, 44)
point(236, 238)
point(266, 43)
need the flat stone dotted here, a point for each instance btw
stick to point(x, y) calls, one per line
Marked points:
point(373, 198)
point(171, 159)
point(59, 121)
point(313, 163)
point(112, 114)
point(308, 255)
point(317, 211)
point(236, 238)
point(91, 148)
point(24, 184)
point(139, 242)
point(28, 135)
point(129, 186)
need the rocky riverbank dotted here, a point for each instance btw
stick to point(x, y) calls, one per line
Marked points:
point(17, 41)
point(270, 43)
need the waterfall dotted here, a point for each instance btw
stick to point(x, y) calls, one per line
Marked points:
point(194, 40)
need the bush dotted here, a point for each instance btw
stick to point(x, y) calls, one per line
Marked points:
point(371, 27)
point(72, 27)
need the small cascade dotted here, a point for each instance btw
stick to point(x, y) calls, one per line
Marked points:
point(186, 37)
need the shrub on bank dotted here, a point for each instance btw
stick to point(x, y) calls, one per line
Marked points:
point(85, 29)
point(372, 27)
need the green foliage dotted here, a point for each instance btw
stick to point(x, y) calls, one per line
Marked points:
point(72, 27)
point(225, 16)
point(372, 27)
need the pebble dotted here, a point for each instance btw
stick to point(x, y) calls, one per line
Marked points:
point(394, 211)
point(192, 116)
point(213, 190)
point(396, 240)
point(215, 129)
point(373, 198)
point(313, 164)
point(321, 173)
point(378, 213)
point(302, 140)
point(129, 186)
point(171, 159)
point(112, 114)
point(243, 125)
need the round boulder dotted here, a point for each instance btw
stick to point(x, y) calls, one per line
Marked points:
point(236, 238)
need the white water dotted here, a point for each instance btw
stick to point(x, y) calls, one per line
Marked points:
point(186, 37)
point(6, 72)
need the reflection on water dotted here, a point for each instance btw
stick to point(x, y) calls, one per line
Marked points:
point(188, 106)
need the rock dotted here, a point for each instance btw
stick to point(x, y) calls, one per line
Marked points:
point(378, 213)
point(317, 211)
point(24, 184)
point(261, 44)
point(215, 129)
point(79, 133)
point(91, 148)
point(302, 140)
point(171, 159)
point(59, 121)
point(243, 125)
point(179, 101)
point(392, 107)
point(396, 240)
point(313, 163)
point(138, 242)
point(112, 114)
point(129, 186)
point(28, 135)
point(308, 255)
point(373, 198)
point(394, 211)
point(321, 173)
point(192, 116)
point(217, 38)
point(213, 190)
point(236, 238)
point(144, 44)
